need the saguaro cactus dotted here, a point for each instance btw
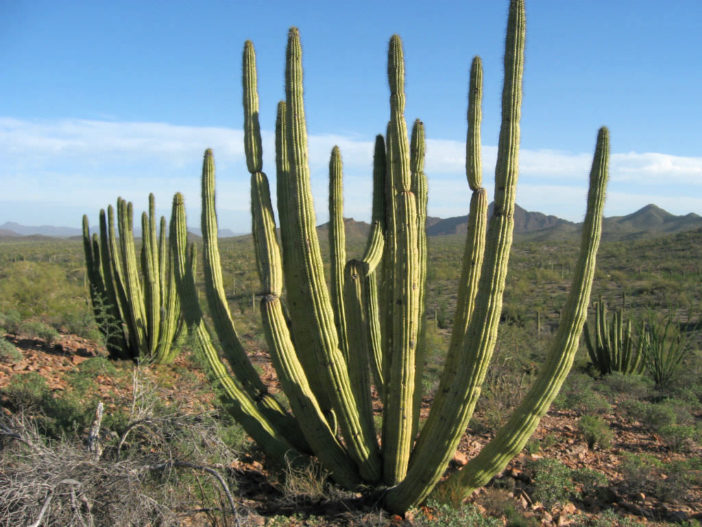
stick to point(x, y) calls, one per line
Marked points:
point(148, 313)
point(328, 353)
point(612, 348)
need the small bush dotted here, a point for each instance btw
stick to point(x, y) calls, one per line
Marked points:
point(442, 515)
point(8, 351)
point(578, 395)
point(35, 328)
point(594, 484)
point(10, 320)
point(679, 438)
point(595, 431)
point(26, 391)
point(629, 386)
point(552, 482)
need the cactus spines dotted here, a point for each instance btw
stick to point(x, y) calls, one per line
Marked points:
point(333, 347)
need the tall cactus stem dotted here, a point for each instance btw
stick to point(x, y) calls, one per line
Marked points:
point(512, 437)
point(337, 246)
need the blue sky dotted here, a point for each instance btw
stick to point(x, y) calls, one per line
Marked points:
point(100, 99)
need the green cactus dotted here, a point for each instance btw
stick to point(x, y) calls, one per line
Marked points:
point(332, 349)
point(148, 312)
point(613, 348)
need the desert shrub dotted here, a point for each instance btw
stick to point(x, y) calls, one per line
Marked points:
point(578, 394)
point(595, 431)
point(8, 351)
point(26, 391)
point(10, 320)
point(679, 438)
point(552, 482)
point(593, 484)
point(443, 515)
point(41, 290)
point(500, 503)
point(95, 366)
point(36, 328)
point(628, 386)
point(54, 417)
point(640, 472)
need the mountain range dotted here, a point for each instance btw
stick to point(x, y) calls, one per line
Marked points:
point(535, 226)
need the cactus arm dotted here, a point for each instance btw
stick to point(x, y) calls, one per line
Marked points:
point(292, 377)
point(152, 297)
point(310, 306)
point(468, 285)
point(512, 437)
point(132, 283)
point(421, 191)
point(475, 237)
point(170, 304)
point(119, 347)
point(448, 423)
point(92, 264)
point(337, 247)
point(224, 327)
point(398, 419)
point(242, 406)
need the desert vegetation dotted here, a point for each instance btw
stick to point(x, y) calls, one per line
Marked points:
point(402, 386)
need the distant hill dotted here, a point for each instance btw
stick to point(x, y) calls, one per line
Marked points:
point(651, 220)
point(524, 222)
point(42, 230)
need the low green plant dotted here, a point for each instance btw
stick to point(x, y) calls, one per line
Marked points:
point(679, 438)
point(26, 391)
point(10, 321)
point(443, 515)
point(626, 386)
point(593, 484)
point(595, 431)
point(8, 351)
point(36, 328)
point(578, 394)
point(552, 482)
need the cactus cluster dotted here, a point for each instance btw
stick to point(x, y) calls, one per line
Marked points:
point(137, 310)
point(330, 348)
point(612, 347)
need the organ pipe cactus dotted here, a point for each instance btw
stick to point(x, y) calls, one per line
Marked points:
point(612, 347)
point(144, 305)
point(329, 353)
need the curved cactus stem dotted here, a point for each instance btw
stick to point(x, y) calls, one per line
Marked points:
point(310, 306)
point(221, 317)
point(292, 377)
point(242, 406)
point(512, 437)
point(446, 424)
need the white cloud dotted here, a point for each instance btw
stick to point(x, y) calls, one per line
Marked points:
point(71, 164)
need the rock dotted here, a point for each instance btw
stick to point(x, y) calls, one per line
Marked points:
point(460, 458)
